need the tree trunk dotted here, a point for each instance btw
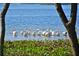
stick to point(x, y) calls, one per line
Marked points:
point(70, 25)
point(2, 27)
point(2, 34)
point(73, 39)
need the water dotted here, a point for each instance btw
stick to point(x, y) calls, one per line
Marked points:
point(25, 16)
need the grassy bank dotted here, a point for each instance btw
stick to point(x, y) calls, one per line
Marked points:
point(38, 48)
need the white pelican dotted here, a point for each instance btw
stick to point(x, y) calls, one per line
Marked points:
point(14, 34)
point(25, 34)
point(33, 34)
point(64, 34)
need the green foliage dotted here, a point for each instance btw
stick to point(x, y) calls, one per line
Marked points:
point(38, 48)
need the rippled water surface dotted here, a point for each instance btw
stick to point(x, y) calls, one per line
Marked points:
point(34, 16)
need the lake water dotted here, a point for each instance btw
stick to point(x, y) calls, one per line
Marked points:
point(34, 16)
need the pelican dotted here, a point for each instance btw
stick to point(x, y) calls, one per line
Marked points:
point(53, 33)
point(57, 33)
point(14, 34)
point(48, 34)
point(64, 34)
point(33, 34)
point(28, 33)
point(21, 32)
point(39, 33)
point(43, 33)
point(25, 34)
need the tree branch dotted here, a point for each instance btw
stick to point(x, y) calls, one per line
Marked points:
point(4, 10)
point(73, 14)
point(61, 13)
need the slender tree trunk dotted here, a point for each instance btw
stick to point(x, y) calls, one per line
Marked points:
point(2, 35)
point(73, 40)
point(2, 27)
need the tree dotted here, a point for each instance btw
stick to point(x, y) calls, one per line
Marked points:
point(70, 25)
point(2, 27)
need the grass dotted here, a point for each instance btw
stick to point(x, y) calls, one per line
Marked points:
point(38, 48)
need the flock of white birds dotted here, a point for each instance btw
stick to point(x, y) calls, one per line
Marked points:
point(40, 33)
